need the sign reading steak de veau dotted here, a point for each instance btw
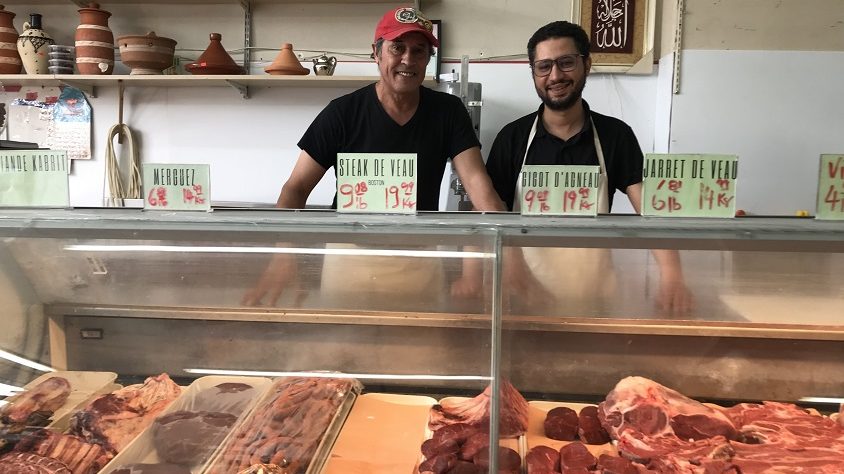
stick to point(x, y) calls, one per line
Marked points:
point(177, 187)
point(34, 178)
point(689, 185)
point(382, 183)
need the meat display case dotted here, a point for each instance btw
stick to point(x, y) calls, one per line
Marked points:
point(140, 293)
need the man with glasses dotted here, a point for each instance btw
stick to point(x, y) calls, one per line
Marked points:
point(564, 131)
point(395, 115)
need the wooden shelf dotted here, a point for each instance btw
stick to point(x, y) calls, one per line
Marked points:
point(194, 2)
point(240, 82)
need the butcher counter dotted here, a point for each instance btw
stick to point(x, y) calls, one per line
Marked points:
point(140, 293)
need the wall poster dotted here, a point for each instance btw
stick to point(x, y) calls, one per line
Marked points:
point(621, 31)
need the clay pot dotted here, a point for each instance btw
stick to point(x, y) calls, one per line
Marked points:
point(94, 42)
point(286, 63)
point(148, 54)
point(33, 44)
point(10, 59)
point(215, 60)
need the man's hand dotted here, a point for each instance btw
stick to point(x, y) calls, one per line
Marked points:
point(280, 274)
point(674, 298)
point(518, 281)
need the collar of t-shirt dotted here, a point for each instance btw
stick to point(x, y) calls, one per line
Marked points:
point(548, 149)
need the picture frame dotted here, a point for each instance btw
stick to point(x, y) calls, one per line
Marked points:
point(435, 63)
point(621, 33)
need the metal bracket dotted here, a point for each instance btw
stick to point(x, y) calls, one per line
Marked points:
point(86, 88)
point(243, 89)
point(247, 33)
point(678, 45)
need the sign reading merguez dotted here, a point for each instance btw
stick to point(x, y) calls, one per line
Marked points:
point(549, 190)
point(689, 185)
point(379, 183)
point(171, 187)
point(34, 178)
point(831, 188)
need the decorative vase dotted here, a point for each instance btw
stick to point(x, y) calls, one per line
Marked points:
point(214, 60)
point(33, 44)
point(146, 54)
point(286, 63)
point(94, 42)
point(10, 59)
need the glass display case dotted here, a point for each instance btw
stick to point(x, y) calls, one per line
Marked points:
point(431, 309)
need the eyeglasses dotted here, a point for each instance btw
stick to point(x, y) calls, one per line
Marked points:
point(565, 63)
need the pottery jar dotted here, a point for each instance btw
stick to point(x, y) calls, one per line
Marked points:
point(94, 41)
point(286, 63)
point(33, 44)
point(146, 54)
point(10, 59)
point(214, 60)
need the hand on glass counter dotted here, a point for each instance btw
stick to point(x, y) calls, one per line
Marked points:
point(674, 298)
point(281, 274)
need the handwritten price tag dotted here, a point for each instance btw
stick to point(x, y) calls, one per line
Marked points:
point(549, 190)
point(831, 188)
point(689, 185)
point(33, 178)
point(377, 183)
point(169, 187)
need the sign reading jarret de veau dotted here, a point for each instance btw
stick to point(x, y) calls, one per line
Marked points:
point(831, 188)
point(170, 187)
point(689, 185)
point(34, 178)
point(549, 190)
point(380, 183)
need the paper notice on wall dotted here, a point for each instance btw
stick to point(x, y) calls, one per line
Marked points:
point(70, 127)
point(29, 121)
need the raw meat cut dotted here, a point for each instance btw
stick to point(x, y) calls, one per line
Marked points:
point(646, 407)
point(438, 464)
point(473, 445)
point(513, 411)
point(561, 424)
point(589, 426)
point(508, 459)
point(543, 459)
point(78, 456)
point(114, 419)
point(615, 465)
point(25, 463)
point(287, 426)
point(576, 455)
point(48, 396)
point(189, 437)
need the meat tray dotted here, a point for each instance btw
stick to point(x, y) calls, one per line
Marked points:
point(516, 444)
point(536, 431)
point(382, 435)
point(289, 412)
point(83, 387)
point(142, 448)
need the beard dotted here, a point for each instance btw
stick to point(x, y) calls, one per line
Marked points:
point(566, 102)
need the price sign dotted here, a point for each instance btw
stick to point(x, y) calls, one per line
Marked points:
point(689, 185)
point(379, 183)
point(34, 178)
point(831, 188)
point(549, 190)
point(169, 187)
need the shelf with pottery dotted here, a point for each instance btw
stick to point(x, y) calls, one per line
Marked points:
point(88, 83)
point(198, 2)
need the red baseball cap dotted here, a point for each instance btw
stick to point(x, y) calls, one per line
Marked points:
point(404, 20)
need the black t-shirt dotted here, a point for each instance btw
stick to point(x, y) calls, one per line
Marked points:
point(622, 155)
point(357, 123)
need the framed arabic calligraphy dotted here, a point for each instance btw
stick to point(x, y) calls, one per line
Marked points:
point(621, 32)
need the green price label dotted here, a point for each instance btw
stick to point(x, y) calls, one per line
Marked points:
point(831, 188)
point(34, 178)
point(548, 190)
point(689, 185)
point(170, 187)
point(379, 183)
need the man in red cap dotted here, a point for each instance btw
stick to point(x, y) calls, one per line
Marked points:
point(395, 115)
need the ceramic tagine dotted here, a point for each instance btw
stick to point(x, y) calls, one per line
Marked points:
point(94, 41)
point(215, 60)
point(286, 63)
point(324, 65)
point(146, 54)
point(10, 59)
point(33, 44)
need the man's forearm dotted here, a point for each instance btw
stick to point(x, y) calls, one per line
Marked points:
point(669, 262)
point(291, 198)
